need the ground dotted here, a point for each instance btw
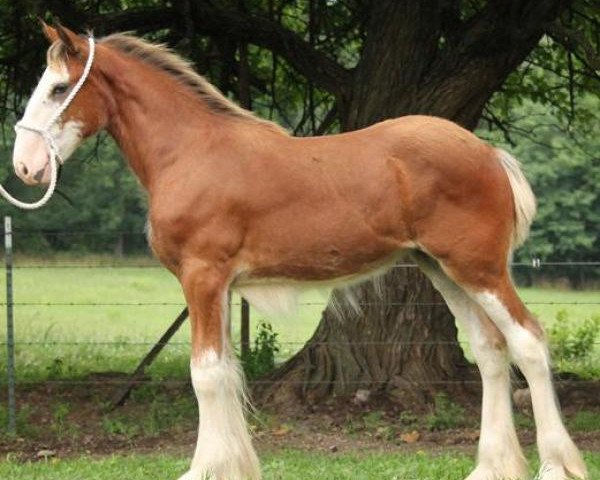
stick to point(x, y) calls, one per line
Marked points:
point(66, 429)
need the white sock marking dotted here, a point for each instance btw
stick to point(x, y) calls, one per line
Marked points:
point(557, 451)
point(224, 450)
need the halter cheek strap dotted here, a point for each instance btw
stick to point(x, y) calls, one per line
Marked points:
point(51, 143)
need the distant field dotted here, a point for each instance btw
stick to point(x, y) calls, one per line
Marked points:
point(150, 298)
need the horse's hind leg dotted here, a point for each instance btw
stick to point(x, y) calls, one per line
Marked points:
point(500, 455)
point(492, 288)
point(224, 450)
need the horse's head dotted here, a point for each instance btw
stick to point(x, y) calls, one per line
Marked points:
point(40, 131)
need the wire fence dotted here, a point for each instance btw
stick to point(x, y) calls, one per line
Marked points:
point(117, 263)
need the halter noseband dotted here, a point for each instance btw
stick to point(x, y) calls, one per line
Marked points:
point(49, 139)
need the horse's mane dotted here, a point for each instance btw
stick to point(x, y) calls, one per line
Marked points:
point(163, 58)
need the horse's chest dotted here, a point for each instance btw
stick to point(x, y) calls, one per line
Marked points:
point(174, 237)
point(160, 245)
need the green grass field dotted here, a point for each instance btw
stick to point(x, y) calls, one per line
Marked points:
point(284, 465)
point(72, 338)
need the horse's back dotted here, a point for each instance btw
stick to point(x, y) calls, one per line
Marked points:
point(421, 144)
point(412, 164)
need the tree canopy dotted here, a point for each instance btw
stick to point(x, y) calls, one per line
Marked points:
point(298, 62)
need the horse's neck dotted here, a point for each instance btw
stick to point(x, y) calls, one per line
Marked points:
point(156, 120)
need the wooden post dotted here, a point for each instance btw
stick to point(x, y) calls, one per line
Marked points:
point(245, 329)
point(123, 393)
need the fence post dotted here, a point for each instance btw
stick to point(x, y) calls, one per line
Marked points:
point(122, 395)
point(10, 333)
point(245, 329)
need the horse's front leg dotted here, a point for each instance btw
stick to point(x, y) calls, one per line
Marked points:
point(224, 450)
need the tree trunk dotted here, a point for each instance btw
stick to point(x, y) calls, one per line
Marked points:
point(403, 342)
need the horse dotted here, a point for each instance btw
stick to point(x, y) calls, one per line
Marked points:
point(235, 202)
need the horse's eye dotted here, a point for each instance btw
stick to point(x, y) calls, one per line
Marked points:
point(59, 89)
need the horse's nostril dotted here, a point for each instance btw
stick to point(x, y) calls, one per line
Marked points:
point(39, 175)
point(24, 169)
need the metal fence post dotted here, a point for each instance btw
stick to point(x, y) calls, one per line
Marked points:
point(10, 333)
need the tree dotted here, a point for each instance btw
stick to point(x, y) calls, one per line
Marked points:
point(100, 211)
point(351, 63)
point(564, 172)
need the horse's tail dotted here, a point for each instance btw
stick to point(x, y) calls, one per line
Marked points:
point(525, 205)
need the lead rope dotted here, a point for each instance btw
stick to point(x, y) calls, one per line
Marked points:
point(49, 139)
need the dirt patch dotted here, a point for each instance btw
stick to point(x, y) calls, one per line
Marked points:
point(72, 420)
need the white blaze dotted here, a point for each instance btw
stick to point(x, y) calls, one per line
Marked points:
point(31, 150)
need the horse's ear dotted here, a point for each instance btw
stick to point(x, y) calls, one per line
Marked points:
point(71, 40)
point(50, 33)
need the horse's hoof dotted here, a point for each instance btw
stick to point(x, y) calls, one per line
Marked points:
point(559, 472)
point(482, 472)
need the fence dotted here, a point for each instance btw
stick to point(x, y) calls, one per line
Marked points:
point(115, 268)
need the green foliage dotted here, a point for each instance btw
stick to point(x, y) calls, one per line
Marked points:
point(160, 414)
point(561, 163)
point(446, 414)
point(376, 424)
point(105, 210)
point(373, 419)
point(119, 426)
point(408, 418)
point(260, 360)
point(60, 413)
point(584, 421)
point(573, 343)
point(60, 421)
point(165, 414)
point(523, 421)
point(24, 424)
point(55, 369)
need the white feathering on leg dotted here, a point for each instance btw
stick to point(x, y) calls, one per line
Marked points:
point(559, 456)
point(224, 450)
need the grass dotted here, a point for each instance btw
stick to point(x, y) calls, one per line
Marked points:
point(73, 339)
point(584, 421)
point(546, 303)
point(283, 465)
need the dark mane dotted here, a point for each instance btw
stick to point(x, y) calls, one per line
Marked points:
point(161, 57)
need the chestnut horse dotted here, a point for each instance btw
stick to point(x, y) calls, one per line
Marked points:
point(236, 202)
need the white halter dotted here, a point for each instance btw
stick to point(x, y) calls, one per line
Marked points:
point(46, 134)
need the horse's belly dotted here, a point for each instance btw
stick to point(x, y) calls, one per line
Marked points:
point(320, 266)
point(275, 291)
point(320, 244)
